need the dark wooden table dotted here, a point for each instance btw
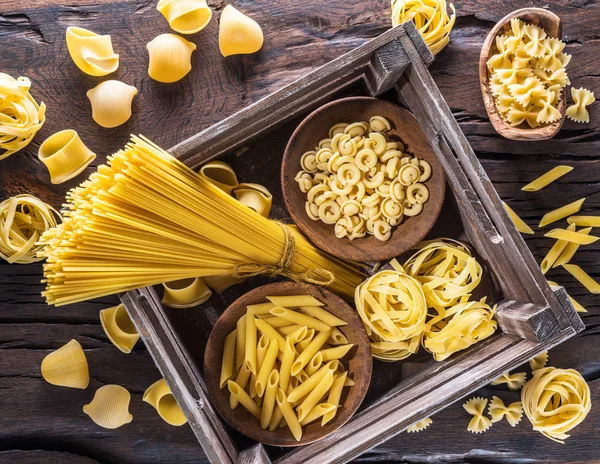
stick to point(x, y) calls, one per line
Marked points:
point(42, 423)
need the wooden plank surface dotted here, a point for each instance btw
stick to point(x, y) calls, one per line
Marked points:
point(41, 423)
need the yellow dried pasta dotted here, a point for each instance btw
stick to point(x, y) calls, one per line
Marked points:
point(111, 102)
point(160, 397)
point(419, 426)
point(519, 223)
point(170, 58)
point(255, 197)
point(498, 410)
point(185, 16)
point(479, 423)
point(571, 248)
point(238, 33)
point(556, 401)
point(571, 236)
point(583, 277)
point(20, 115)
point(554, 253)
point(119, 328)
point(185, 293)
point(582, 98)
point(65, 155)
point(539, 361)
point(430, 17)
point(110, 407)
point(91, 52)
point(67, 367)
point(546, 179)
point(221, 175)
point(562, 212)
point(584, 221)
point(23, 219)
point(514, 381)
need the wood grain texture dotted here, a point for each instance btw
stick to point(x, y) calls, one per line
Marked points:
point(406, 129)
point(552, 24)
point(300, 36)
point(358, 363)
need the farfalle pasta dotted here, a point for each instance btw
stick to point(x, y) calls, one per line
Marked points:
point(20, 115)
point(170, 58)
point(185, 16)
point(539, 361)
point(527, 74)
point(419, 426)
point(362, 182)
point(556, 401)
point(431, 18)
point(91, 52)
point(498, 411)
point(111, 102)
point(582, 98)
point(110, 407)
point(513, 381)
point(67, 367)
point(479, 423)
point(238, 33)
point(65, 155)
point(23, 220)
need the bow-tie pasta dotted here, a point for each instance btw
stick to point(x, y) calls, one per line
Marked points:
point(170, 58)
point(582, 98)
point(91, 52)
point(111, 103)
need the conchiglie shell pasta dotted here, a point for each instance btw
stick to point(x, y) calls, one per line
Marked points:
point(220, 174)
point(238, 34)
point(185, 293)
point(92, 53)
point(256, 197)
point(185, 16)
point(111, 102)
point(110, 407)
point(118, 328)
point(67, 367)
point(170, 58)
point(159, 396)
point(65, 155)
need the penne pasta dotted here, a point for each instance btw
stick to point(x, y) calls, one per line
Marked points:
point(310, 384)
point(240, 342)
point(519, 223)
point(266, 367)
point(562, 212)
point(261, 308)
point(227, 364)
point(337, 337)
point(242, 378)
point(334, 397)
point(570, 250)
point(277, 322)
point(243, 398)
point(250, 350)
point(294, 301)
point(302, 344)
point(268, 405)
point(276, 418)
point(546, 179)
point(289, 353)
point(584, 221)
point(312, 348)
point(261, 351)
point(337, 352)
point(317, 412)
point(314, 396)
point(552, 255)
point(582, 277)
point(269, 332)
point(571, 236)
point(323, 315)
point(289, 415)
point(294, 332)
point(299, 318)
point(315, 363)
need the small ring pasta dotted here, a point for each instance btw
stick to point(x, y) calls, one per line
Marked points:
point(329, 212)
point(380, 124)
point(409, 174)
point(308, 161)
point(417, 193)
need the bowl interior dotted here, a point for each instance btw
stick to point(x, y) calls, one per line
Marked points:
point(358, 362)
point(406, 129)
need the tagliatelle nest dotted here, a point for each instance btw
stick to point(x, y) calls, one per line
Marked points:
point(431, 18)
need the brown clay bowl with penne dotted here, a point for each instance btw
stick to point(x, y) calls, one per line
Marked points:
point(405, 129)
point(552, 25)
point(357, 362)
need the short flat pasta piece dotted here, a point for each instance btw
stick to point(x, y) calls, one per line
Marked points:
point(238, 33)
point(185, 293)
point(170, 58)
point(185, 16)
point(562, 212)
point(419, 426)
point(582, 98)
point(160, 397)
point(539, 361)
point(119, 328)
point(111, 103)
point(513, 381)
point(91, 52)
point(546, 179)
point(583, 278)
point(519, 223)
point(67, 367)
point(479, 423)
point(110, 407)
point(65, 155)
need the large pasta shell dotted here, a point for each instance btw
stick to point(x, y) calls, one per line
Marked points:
point(111, 102)
point(110, 407)
point(118, 328)
point(65, 155)
point(185, 293)
point(92, 53)
point(170, 58)
point(254, 196)
point(220, 174)
point(159, 395)
point(238, 34)
point(67, 367)
point(185, 16)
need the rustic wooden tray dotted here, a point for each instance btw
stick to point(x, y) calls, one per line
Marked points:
point(532, 317)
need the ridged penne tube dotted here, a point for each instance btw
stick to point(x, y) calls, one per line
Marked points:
point(110, 407)
point(570, 250)
point(315, 363)
point(583, 278)
point(111, 102)
point(337, 337)
point(323, 315)
point(244, 399)
point(311, 382)
point(185, 16)
point(243, 376)
point(320, 410)
point(337, 352)
point(92, 53)
point(220, 283)
point(266, 366)
point(571, 236)
point(268, 405)
point(260, 308)
point(546, 179)
point(334, 397)
point(519, 223)
point(67, 367)
point(314, 396)
point(272, 334)
point(228, 362)
point(185, 293)
point(296, 334)
point(308, 352)
point(220, 174)
point(170, 58)
point(238, 34)
point(254, 196)
point(65, 155)
point(299, 318)
point(160, 397)
point(118, 328)
point(289, 415)
point(552, 255)
point(287, 360)
point(562, 212)
point(250, 351)
point(240, 342)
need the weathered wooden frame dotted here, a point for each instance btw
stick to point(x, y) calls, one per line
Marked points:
point(533, 317)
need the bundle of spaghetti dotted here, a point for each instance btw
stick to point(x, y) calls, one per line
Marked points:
point(145, 218)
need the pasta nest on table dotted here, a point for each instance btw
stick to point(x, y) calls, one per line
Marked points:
point(362, 182)
point(527, 74)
